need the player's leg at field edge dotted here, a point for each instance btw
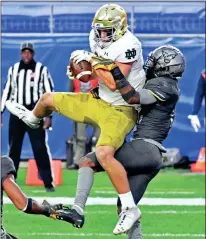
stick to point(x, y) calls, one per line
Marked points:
point(116, 173)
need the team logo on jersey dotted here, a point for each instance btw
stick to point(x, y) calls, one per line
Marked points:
point(168, 57)
point(129, 54)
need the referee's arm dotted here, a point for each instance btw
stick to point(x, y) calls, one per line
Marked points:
point(199, 95)
point(48, 85)
point(7, 90)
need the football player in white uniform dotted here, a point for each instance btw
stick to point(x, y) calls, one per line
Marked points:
point(109, 39)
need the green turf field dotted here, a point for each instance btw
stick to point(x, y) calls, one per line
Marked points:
point(160, 221)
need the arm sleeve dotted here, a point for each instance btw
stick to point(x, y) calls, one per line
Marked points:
point(199, 95)
point(146, 97)
point(7, 167)
point(160, 89)
point(7, 90)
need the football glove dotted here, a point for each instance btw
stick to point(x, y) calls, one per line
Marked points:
point(69, 73)
point(194, 120)
point(95, 92)
point(81, 55)
point(102, 63)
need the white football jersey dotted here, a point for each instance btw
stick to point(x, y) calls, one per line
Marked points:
point(126, 49)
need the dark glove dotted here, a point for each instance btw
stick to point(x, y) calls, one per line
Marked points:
point(95, 92)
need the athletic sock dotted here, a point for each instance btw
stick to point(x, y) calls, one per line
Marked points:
point(127, 200)
point(32, 118)
point(84, 185)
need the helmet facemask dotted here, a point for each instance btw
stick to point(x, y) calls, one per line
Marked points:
point(114, 32)
point(149, 66)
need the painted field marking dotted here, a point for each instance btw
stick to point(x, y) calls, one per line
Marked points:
point(157, 192)
point(109, 234)
point(113, 201)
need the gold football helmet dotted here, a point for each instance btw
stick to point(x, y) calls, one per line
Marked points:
point(112, 19)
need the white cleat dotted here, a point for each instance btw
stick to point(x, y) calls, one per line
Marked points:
point(127, 219)
point(21, 112)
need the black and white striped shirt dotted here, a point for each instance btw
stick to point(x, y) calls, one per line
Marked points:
point(26, 83)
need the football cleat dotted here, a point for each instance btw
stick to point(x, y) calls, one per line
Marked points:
point(127, 219)
point(70, 215)
point(21, 112)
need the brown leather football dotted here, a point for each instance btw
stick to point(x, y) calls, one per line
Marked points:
point(81, 71)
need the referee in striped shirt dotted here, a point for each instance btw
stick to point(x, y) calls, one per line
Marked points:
point(27, 81)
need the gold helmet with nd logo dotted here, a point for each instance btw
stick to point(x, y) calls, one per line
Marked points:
point(109, 24)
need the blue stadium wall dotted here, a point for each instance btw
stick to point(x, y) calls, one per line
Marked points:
point(54, 52)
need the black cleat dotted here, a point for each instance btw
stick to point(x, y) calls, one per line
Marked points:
point(73, 167)
point(50, 189)
point(70, 215)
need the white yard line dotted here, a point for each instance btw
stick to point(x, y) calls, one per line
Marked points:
point(113, 213)
point(157, 192)
point(113, 201)
point(171, 193)
point(174, 235)
point(109, 234)
point(152, 212)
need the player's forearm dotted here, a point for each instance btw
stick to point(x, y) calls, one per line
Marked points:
point(107, 78)
point(20, 200)
point(129, 94)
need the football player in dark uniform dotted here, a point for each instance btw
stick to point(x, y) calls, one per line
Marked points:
point(142, 157)
point(19, 199)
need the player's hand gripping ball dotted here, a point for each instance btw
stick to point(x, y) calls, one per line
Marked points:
point(80, 66)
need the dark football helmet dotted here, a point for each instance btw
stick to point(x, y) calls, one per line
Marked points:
point(165, 61)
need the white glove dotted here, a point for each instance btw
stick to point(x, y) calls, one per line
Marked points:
point(194, 120)
point(69, 73)
point(81, 55)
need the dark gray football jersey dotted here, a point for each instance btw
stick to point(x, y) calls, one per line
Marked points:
point(156, 119)
point(7, 167)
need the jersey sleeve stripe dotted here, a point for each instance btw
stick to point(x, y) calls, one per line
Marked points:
point(156, 95)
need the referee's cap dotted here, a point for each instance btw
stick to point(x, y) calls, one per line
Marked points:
point(28, 46)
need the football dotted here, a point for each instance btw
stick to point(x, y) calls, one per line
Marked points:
point(81, 71)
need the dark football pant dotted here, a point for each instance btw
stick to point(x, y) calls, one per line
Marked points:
point(141, 160)
point(17, 130)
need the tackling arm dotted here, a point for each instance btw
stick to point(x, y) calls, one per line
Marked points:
point(129, 94)
point(27, 205)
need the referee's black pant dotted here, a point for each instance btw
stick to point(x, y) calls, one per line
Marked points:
point(17, 130)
